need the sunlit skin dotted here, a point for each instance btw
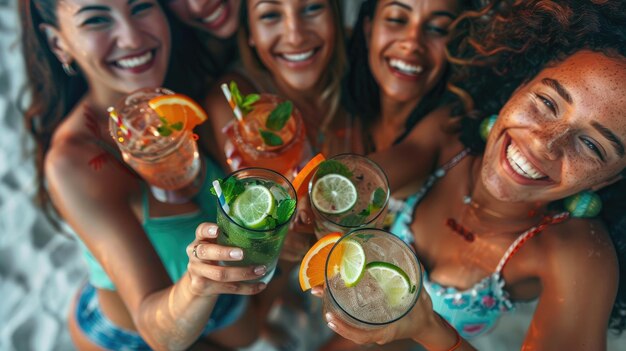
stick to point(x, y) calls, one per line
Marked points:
point(219, 18)
point(294, 40)
point(571, 267)
point(575, 145)
point(101, 36)
point(120, 46)
point(407, 58)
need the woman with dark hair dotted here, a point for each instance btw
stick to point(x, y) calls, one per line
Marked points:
point(294, 49)
point(153, 278)
point(398, 67)
point(536, 212)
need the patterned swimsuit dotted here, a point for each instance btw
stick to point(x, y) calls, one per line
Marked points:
point(476, 310)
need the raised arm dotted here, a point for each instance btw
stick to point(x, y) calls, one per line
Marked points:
point(95, 202)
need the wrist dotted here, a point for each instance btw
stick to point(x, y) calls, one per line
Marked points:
point(438, 335)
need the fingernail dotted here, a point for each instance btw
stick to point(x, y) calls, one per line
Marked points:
point(212, 231)
point(328, 316)
point(260, 270)
point(236, 253)
point(316, 292)
point(331, 326)
point(262, 286)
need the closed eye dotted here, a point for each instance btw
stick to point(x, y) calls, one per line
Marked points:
point(139, 8)
point(95, 21)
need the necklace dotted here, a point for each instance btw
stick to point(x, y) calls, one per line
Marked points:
point(471, 205)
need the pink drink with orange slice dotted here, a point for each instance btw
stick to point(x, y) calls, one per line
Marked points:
point(258, 145)
point(161, 149)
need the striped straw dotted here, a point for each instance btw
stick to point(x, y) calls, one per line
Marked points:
point(232, 103)
point(118, 121)
point(220, 196)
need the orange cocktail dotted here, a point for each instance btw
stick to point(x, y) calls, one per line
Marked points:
point(259, 145)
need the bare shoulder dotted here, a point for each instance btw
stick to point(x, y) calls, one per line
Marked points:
point(438, 127)
point(579, 248)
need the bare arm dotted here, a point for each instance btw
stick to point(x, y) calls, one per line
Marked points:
point(579, 279)
point(96, 204)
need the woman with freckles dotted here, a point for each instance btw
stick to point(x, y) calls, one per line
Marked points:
point(537, 212)
point(153, 278)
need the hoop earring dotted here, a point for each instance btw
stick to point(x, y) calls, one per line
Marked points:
point(585, 204)
point(68, 69)
point(486, 125)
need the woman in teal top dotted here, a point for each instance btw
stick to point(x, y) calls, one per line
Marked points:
point(157, 284)
point(515, 218)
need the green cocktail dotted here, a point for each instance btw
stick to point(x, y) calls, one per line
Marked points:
point(259, 204)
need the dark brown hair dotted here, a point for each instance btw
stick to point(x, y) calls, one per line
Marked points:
point(509, 43)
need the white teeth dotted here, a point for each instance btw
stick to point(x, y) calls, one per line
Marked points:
point(215, 15)
point(405, 67)
point(135, 61)
point(520, 164)
point(299, 57)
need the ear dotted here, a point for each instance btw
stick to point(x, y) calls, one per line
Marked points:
point(367, 30)
point(612, 180)
point(56, 43)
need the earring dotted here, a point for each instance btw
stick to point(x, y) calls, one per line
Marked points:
point(486, 125)
point(585, 204)
point(68, 69)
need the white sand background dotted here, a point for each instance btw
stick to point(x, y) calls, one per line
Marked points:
point(40, 269)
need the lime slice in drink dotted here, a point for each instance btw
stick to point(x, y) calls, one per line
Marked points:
point(334, 194)
point(254, 205)
point(352, 264)
point(392, 280)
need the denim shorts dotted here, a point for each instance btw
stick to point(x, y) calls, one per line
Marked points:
point(102, 332)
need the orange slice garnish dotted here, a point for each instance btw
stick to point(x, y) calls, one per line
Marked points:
point(301, 181)
point(312, 266)
point(175, 107)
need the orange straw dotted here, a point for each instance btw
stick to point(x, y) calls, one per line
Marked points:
point(232, 103)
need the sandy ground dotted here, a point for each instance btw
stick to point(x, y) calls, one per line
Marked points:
point(40, 269)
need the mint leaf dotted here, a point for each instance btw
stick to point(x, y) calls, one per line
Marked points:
point(333, 167)
point(177, 126)
point(270, 138)
point(249, 100)
point(378, 199)
point(234, 91)
point(353, 220)
point(270, 223)
point(164, 130)
point(365, 237)
point(285, 209)
point(163, 120)
point(232, 188)
point(279, 116)
point(366, 212)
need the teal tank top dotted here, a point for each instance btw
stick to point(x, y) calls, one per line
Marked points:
point(169, 235)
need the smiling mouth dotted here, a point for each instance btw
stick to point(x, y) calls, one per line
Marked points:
point(521, 165)
point(215, 15)
point(135, 61)
point(298, 57)
point(406, 68)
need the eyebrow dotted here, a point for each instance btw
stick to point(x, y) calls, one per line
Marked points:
point(99, 7)
point(606, 132)
point(560, 89)
point(398, 3)
point(445, 14)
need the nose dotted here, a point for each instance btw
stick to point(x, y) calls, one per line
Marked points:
point(413, 39)
point(129, 35)
point(552, 139)
point(294, 30)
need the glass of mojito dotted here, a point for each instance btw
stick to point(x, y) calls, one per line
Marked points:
point(348, 192)
point(372, 278)
point(258, 207)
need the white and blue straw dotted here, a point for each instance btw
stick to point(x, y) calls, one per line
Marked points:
point(220, 196)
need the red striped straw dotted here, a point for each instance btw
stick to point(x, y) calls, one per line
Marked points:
point(232, 103)
point(118, 121)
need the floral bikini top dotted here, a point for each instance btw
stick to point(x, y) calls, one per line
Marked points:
point(476, 310)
